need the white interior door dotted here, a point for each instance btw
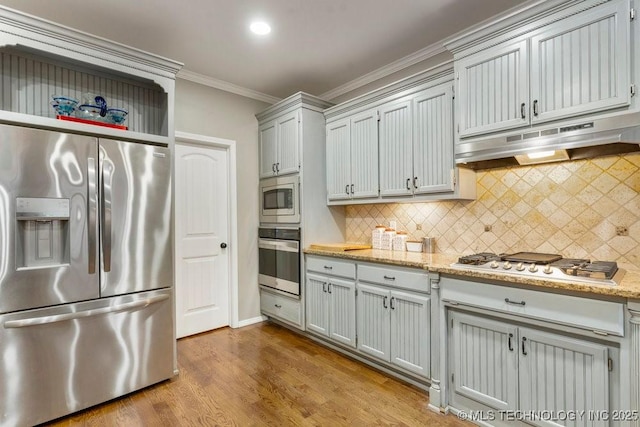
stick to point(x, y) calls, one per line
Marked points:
point(202, 230)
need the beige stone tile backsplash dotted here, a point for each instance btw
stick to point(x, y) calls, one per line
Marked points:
point(570, 208)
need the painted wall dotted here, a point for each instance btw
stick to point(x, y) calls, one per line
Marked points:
point(207, 111)
point(570, 208)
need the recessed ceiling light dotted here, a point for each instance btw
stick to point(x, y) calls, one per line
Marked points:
point(260, 28)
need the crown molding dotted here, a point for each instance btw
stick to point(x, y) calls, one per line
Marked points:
point(300, 99)
point(18, 28)
point(399, 65)
point(191, 76)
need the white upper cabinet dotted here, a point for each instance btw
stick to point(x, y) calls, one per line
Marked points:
point(493, 89)
point(268, 150)
point(433, 162)
point(551, 67)
point(287, 137)
point(339, 160)
point(416, 144)
point(352, 157)
point(396, 144)
point(364, 155)
point(581, 65)
point(279, 146)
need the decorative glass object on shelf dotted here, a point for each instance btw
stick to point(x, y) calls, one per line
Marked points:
point(94, 111)
point(64, 105)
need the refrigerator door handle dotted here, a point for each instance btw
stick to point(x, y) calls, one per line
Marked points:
point(35, 321)
point(107, 171)
point(92, 208)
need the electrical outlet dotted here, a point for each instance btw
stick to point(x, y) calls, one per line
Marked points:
point(418, 227)
point(487, 228)
point(621, 230)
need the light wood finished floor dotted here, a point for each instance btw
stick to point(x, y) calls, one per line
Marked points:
point(261, 375)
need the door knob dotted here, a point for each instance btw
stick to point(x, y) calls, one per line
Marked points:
point(223, 245)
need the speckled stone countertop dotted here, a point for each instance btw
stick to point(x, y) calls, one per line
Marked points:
point(441, 263)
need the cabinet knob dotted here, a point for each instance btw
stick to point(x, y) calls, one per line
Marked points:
point(223, 245)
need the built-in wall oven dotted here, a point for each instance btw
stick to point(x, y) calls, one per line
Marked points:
point(280, 200)
point(279, 259)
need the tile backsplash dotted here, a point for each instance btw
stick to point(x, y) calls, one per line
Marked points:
point(570, 208)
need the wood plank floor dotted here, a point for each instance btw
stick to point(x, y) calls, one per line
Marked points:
point(266, 375)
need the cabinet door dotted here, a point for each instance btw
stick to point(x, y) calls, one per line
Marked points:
point(559, 373)
point(433, 161)
point(342, 311)
point(317, 316)
point(268, 151)
point(396, 174)
point(493, 89)
point(339, 160)
point(581, 64)
point(410, 332)
point(287, 160)
point(373, 321)
point(485, 358)
point(364, 155)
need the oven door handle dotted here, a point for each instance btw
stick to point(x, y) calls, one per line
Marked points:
point(279, 245)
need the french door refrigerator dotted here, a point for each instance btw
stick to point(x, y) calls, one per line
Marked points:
point(86, 273)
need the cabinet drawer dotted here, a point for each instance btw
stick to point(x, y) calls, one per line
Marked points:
point(596, 315)
point(415, 280)
point(330, 266)
point(281, 307)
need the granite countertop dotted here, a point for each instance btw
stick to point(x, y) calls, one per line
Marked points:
point(441, 263)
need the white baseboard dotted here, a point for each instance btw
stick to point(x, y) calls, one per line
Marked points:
point(248, 322)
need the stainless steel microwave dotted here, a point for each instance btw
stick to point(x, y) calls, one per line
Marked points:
point(280, 200)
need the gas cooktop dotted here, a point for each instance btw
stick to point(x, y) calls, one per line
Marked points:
point(548, 266)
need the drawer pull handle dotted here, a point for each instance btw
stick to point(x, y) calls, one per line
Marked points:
point(329, 287)
point(391, 303)
point(324, 287)
point(510, 343)
point(328, 267)
point(384, 302)
point(389, 278)
point(524, 351)
point(508, 301)
point(278, 306)
point(522, 114)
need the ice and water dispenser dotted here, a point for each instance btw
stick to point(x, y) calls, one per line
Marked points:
point(42, 233)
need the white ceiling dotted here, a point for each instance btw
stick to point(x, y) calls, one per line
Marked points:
point(316, 45)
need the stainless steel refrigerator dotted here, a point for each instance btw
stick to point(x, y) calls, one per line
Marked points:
point(86, 273)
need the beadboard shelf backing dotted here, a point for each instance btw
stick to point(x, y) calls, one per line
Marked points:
point(29, 78)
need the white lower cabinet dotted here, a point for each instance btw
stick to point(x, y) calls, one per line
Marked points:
point(331, 308)
point(515, 368)
point(394, 326)
point(284, 308)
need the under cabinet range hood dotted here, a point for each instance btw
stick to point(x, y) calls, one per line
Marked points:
point(582, 140)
